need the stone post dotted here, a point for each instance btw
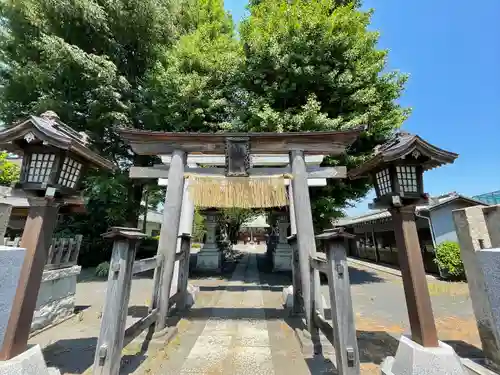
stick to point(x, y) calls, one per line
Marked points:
point(209, 257)
point(5, 210)
point(478, 233)
point(282, 256)
point(11, 262)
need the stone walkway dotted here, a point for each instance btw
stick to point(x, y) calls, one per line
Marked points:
point(243, 332)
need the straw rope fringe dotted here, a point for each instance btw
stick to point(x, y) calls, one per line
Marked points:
point(241, 192)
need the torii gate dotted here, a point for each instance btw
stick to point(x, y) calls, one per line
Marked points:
point(237, 149)
point(208, 259)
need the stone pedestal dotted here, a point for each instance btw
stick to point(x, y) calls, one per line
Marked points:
point(479, 236)
point(56, 298)
point(282, 256)
point(11, 262)
point(209, 258)
point(30, 362)
point(414, 359)
point(5, 210)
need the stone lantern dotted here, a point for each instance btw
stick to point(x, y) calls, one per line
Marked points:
point(396, 170)
point(55, 159)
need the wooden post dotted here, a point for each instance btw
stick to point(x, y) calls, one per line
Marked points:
point(182, 283)
point(344, 330)
point(418, 300)
point(108, 352)
point(169, 232)
point(305, 231)
point(37, 237)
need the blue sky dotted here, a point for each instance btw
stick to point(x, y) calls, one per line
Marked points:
point(451, 49)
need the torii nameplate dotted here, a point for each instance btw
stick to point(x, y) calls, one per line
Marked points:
point(237, 156)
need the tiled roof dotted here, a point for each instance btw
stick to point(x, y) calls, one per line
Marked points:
point(434, 203)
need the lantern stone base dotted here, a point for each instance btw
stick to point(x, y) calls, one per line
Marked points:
point(209, 258)
point(282, 258)
point(30, 362)
point(414, 359)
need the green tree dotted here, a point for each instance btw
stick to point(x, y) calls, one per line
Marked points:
point(313, 65)
point(231, 220)
point(9, 171)
point(86, 60)
point(192, 85)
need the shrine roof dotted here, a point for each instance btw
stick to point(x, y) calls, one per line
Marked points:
point(312, 143)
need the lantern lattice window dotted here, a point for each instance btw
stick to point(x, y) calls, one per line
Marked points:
point(40, 167)
point(384, 181)
point(407, 178)
point(70, 173)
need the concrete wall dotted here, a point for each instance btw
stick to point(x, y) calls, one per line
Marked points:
point(442, 221)
point(56, 298)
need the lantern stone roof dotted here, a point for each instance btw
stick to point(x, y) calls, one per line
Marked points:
point(312, 143)
point(50, 130)
point(398, 147)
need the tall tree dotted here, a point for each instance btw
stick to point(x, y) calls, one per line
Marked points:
point(192, 86)
point(313, 65)
point(87, 61)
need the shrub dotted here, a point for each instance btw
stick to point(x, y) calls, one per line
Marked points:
point(196, 245)
point(448, 259)
point(102, 269)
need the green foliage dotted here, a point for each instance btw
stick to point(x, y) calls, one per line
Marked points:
point(231, 220)
point(313, 65)
point(448, 258)
point(177, 65)
point(198, 226)
point(9, 171)
point(87, 61)
point(196, 245)
point(193, 83)
point(102, 270)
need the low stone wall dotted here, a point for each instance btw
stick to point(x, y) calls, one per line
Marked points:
point(56, 298)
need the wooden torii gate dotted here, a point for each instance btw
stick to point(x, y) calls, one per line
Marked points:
point(297, 146)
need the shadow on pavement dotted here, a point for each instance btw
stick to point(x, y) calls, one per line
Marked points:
point(76, 356)
point(358, 276)
point(71, 356)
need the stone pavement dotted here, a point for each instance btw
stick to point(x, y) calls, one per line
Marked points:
point(239, 326)
point(240, 331)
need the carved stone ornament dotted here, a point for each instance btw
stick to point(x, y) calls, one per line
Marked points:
point(237, 156)
point(29, 137)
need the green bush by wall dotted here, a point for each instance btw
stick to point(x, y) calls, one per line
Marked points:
point(448, 259)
